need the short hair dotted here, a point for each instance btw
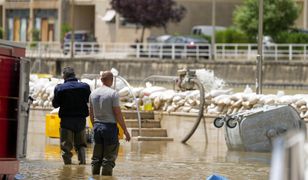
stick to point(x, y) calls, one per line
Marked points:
point(107, 75)
point(68, 72)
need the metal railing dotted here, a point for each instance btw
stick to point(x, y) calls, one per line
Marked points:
point(272, 52)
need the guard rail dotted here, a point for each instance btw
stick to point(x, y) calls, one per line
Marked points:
point(272, 52)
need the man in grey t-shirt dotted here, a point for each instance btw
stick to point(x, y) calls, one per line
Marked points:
point(105, 113)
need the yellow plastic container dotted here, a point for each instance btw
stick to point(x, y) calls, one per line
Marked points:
point(121, 132)
point(53, 126)
point(44, 75)
point(148, 107)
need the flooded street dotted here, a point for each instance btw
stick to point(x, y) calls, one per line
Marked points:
point(144, 159)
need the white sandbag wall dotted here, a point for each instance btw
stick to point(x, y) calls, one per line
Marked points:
point(42, 90)
point(217, 101)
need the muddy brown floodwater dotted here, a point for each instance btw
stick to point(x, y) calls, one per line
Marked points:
point(144, 160)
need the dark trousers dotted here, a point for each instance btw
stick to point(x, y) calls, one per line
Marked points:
point(106, 147)
point(70, 139)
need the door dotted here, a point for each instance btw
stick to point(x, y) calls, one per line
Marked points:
point(44, 30)
point(16, 29)
point(23, 30)
point(9, 92)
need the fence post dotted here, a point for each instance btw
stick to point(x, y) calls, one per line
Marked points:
point(161, 51)
point(236, 50)
point(276, 52)
point(290, 52)
point(249, 52)
point(138, 50)
point(173, 51)
point(215, 50)
point(223, 51)
point(305, 51)
point(197, 52)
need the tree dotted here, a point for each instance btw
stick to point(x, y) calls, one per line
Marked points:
point(64, 29)
point(278, 16)
point(149, 13)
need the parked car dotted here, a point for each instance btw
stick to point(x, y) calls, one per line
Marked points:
point(186, 46)
point(268, 42)
point(152, 47)
point(84, 41)
point(205, 30)
point(158, 39)
point(167, 46)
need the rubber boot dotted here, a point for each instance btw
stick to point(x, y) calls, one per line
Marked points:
point(107, 171)
point(97, 159)
point(110, 156)
point(82, 155)
point(96, 169)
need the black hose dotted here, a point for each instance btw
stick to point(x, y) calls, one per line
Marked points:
point(201, 109)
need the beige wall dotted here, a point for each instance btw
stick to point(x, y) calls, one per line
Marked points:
point(104, 32)
point(130, 34)
point(113, 31)
point(84, 18)
point(199, 12)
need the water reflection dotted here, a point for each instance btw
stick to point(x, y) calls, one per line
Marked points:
point(73, 172)
point(248, 157)
point(148, 160)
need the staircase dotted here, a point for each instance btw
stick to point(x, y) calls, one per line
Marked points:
point(150, 128)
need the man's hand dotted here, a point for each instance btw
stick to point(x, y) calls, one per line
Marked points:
point(127, 136)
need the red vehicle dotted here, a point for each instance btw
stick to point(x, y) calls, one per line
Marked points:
point(14, 80)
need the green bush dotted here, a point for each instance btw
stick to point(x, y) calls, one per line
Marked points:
point(208, 38)
point(291, 38)
point(229, 35)
point(33, 44)
point(36, 35)
point(1, 33)
point(232, 35)
point(64, 29)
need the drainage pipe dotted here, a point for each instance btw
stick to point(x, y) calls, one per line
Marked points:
point(201, 109)
point(136, 101)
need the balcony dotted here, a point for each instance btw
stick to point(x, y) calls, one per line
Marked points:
point(17, 0)
point(24, 4)
point(84, 2)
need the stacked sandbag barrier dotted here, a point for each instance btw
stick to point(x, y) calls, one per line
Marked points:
point(217, 101)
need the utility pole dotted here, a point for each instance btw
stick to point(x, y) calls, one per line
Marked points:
point(73, 28)
point(213, 26)
point(4, 35)
point(260, 50)
point(58, 36)
point(30, 33)
point(305, 15)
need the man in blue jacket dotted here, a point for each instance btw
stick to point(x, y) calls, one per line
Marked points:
point(72, 98)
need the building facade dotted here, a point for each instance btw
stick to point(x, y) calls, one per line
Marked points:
point(45, 20)
point(27, 20)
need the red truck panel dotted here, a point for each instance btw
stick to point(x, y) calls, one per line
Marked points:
point(9, 92)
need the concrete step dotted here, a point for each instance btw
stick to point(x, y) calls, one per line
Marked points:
point(145, 123)
point(149, 132)
point(142, 138)
point(134, 115)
